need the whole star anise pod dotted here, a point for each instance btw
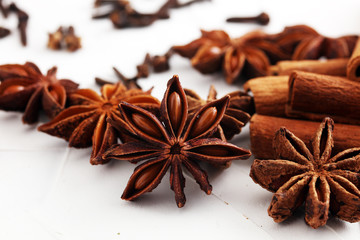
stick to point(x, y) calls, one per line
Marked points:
point(84, 124)
point(172, 142)
point(245, 55)
point(236, 116)
point(323, 182)
point(24, 88)
point(303, 42)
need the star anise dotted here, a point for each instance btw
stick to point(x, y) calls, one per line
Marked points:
point(303, 42)
point(323, 182)
point(172, 142)
point(215, 50)
point(24, 88)
point(84, 124)
point(236, 116)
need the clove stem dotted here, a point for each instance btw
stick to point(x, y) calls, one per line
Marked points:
point(262, 19)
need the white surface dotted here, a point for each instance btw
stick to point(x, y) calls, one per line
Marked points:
point(49, 191)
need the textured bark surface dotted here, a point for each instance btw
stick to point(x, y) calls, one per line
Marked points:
point(263, 128)
point(315, 96)
point(270, 94)
point(334, 67)
point(353, 67)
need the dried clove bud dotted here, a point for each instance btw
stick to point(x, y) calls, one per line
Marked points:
point(123, 15)
point(262, 19)
point(3, 10)
point(159, 63)
point(4, 32)
point(23, 18)
point(130, 83)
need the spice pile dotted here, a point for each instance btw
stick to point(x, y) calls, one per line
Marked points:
point(302, 78)
point(179, 132)
point(323, 170)
point(123, 15)
point(253, 54)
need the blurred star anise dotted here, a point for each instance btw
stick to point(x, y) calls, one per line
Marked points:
point(24, 88)
point(323, 182)
point(236, 116)
point(84, 124)
point(303, 42)
point(172, 142)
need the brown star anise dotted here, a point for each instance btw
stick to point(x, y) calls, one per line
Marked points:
point(215, 50)
point(303, 42)
point(172, 142)
point(24, 88)
point(87, 117)
point(236, 116)
point(321, 181)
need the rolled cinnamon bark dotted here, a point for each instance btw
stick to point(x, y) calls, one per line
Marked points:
point(334, 67)
point(353, 67)
point(263, 128)
point(315, 96)
point(270, 94)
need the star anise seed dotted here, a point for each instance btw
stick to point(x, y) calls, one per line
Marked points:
point(172, 142)
point(236, 116)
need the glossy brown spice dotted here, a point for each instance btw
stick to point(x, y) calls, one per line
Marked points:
point(123, 15)
point(236, 116)
point(172, 142)
point(215, 50)
point(299, 175)
point(4, 32)
point(24, 88)
point(262, 19)
point(23, 19)
point(84, 123)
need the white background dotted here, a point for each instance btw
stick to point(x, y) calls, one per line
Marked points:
point(49, 191)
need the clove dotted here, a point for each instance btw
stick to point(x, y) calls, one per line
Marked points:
point(4, 32)
point(262, 19)
point(123, 15)
point(159, 63)
point(130, 83)
point(23, 18)
point(3, 10)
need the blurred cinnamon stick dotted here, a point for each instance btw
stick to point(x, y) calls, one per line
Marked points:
point(353, 67)
point(335, 67)
point(315, 96)
point(263, 128)
point(270, 94)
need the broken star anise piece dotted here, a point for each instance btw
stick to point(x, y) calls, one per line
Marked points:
point(323, 182)
point(84, 124)
point(173, 143)
point(24, 88)
point(236, 116)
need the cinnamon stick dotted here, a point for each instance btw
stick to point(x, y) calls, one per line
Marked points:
point(263, 128)
point(334, 67)
point(314, 96)
point(353, 67)
point(270, 94)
